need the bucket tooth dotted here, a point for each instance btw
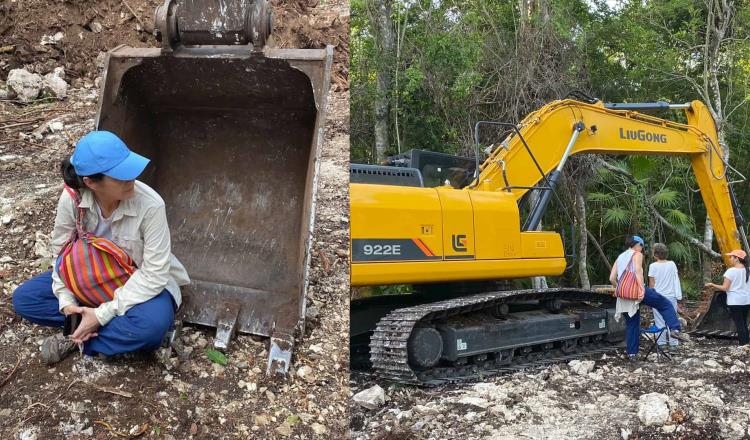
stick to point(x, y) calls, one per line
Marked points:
point(280, 354)
point(226, 325)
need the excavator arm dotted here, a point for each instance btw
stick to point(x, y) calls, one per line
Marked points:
point(563, 128)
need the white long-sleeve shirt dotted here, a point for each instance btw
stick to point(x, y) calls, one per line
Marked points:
point(139, 227)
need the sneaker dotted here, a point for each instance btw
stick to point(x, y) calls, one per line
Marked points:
point(680, 336)
point(56, 348)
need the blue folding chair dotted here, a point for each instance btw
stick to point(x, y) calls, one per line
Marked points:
point(652, 335)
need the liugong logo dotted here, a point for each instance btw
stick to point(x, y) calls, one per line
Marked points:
point(643, 135)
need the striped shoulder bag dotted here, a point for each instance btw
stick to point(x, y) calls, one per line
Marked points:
point(628, 286)
point(92, 267)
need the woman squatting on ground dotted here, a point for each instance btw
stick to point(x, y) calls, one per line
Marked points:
point(133, 312)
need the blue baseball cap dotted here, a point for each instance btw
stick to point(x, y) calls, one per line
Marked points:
point(639, 240)
point(104, 152)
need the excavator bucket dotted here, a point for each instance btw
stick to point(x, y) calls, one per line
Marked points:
point(234, 136)
point(716, 320)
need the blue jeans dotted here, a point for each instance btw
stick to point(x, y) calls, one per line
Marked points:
point(653, 299)
point(142, 327)
point(659, 322)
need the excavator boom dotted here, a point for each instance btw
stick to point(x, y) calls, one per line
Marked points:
point(609, 129)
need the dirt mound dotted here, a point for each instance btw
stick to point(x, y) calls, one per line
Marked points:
point(41, 35)
point(87, 27)
point(300, 24)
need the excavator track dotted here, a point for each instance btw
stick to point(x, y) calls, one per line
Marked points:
point(390, 357)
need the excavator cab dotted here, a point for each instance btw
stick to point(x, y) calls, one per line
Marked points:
point(234, 132)
point(437, 168)
point(420, 168)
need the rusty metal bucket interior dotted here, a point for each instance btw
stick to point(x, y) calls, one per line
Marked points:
point(234, 140)
point(716, 321)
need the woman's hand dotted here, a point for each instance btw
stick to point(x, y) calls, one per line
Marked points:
point(710, 286)
point(88, 326)
point(69, 309)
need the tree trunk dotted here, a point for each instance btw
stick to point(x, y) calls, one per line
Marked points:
point(599, 249)
point(718, 26)
point(386, 45)
point(524, 12)
point(708, 238)
point(580, 205)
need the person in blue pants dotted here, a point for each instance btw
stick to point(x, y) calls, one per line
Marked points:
point(103, 198)
point(142, 327)
point(659, 302)
point(632, 260)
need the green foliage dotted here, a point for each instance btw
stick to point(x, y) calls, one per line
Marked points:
point(679, 251)
point(677, 217)
point(615, 216)
point(216, 357)
point(665, 198)
point(463, 61)
point(600, 197)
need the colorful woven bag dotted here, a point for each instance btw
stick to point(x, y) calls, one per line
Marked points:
point(92, 267)
point(628, 286)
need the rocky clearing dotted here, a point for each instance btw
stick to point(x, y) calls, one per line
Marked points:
point(187, 396)
point(702, 394)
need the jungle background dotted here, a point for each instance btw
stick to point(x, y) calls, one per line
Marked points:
point(424, 71)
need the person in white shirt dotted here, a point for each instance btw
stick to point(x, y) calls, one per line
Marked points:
point(737, 286)
point(664, 278)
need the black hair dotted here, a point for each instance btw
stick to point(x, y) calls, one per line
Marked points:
point(72, 179)
point(747, 269)
point(630, 242)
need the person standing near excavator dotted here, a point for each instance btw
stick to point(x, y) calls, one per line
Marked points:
point(630, 309)
point(737, 286)
point(115, 284)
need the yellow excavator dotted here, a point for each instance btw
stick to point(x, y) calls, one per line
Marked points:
point(455, 240)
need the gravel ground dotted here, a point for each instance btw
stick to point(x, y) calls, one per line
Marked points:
point(701, 394)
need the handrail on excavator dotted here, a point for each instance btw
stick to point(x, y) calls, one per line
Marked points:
point(641, 106)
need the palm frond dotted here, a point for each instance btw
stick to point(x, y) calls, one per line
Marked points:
point(678, 218)
point(599, 197)
point(678, 251)
point(615, 216)
point(666, 198)
point(642, 166)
